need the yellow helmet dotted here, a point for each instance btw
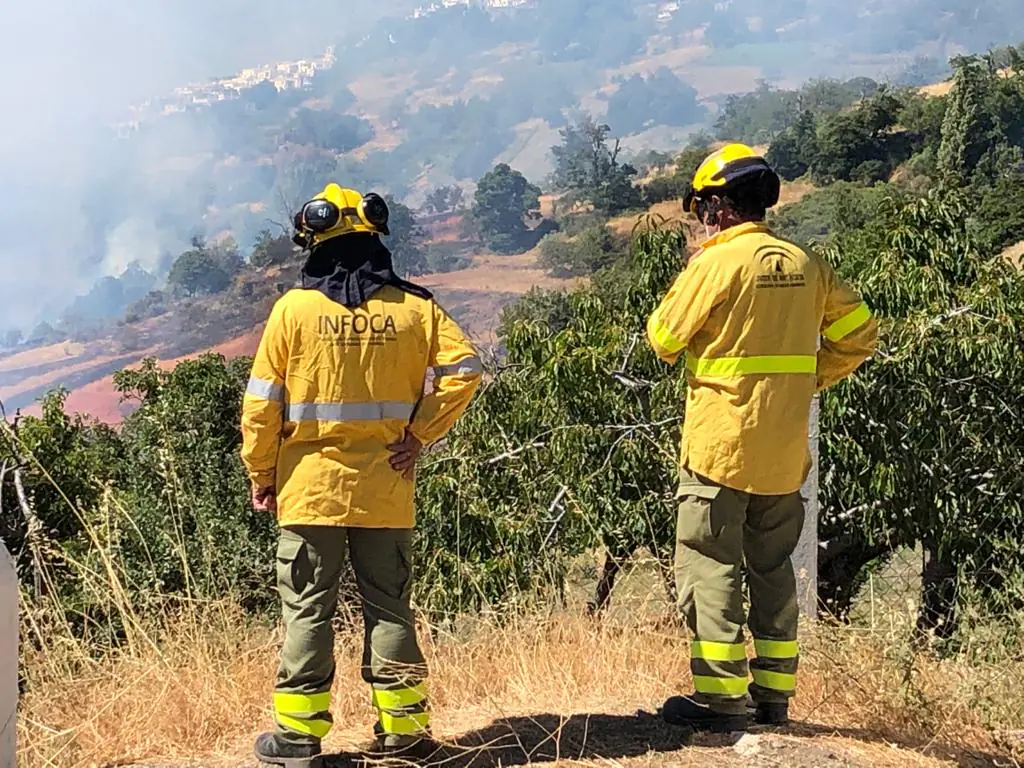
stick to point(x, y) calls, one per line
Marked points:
point(338, 211)
point(724, 168)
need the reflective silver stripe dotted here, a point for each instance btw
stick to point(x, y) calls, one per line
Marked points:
point(267, 390)
point(382, 411)
point(469, 366)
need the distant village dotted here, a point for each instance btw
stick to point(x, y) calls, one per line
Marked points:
point(283, 76)
point(295, 74)
point(493, 4)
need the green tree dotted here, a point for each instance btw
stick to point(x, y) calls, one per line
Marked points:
point(198, 271)
point(503, 203)
point(225, 254)
point(11, 338)
point(446, 199)
point(67, 463)
point(43, 333)
point(593, 249)
point(999, 214)
point(860, 144)
point(269, 250)
point(967, 127)
point(658, 99)
point(571, 445)
point(195, 532)
point(920, 446)
point(406, 239)
point(793, 152)
point(328, 130)
point(588, 169)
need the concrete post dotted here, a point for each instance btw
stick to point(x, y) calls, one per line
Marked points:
point(805, 559)
point(8, 658)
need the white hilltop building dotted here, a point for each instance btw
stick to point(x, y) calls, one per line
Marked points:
point(667, 10)
point(438, 5)
point(283, 76)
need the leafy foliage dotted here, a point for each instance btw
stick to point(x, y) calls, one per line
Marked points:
point(920, 446)
point(593, 249)
point(836, 210)
point(327, 130)
point(967, 127)
point(504, 201)
point(659, 99)
point(675, 185)
point(446, 199)
point(199, 270)
point(860, 144)
point(588, 169)
point(559, 453)
point(270, 250)
point(406, 239)
point(759, 116)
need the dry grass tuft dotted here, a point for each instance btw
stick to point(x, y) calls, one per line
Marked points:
point(536, 690)
point(1015, 254)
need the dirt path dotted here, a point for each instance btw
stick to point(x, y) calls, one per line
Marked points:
point(642, 740)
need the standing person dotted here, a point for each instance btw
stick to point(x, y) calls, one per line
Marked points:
point(333, 421)
point(748, 312)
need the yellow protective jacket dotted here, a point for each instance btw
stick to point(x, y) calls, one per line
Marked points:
point(332, 387)
point(749, 311)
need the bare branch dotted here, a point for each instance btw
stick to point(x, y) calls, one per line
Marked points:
point(33, 526)
point(555, 504)
point(33, 532)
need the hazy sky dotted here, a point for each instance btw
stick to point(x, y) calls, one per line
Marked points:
point(68, 68)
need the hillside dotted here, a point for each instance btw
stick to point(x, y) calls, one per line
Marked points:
point(413, 98)
point(229, 321)
point(547, 590)
point(474, 296)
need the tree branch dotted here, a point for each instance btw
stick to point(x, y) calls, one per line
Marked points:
point(33, 526)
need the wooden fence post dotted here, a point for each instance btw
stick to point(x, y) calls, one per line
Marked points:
point(8, 658)
point(805, 559)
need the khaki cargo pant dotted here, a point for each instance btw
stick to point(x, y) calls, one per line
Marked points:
point(310, 561)
point(718, 531)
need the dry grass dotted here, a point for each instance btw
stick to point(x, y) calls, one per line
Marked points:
point(53, 353)
point(943, 88)
point(537, 690)
point(495, 274)
point(1015, 254)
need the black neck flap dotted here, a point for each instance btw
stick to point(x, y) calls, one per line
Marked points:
point(349, 269)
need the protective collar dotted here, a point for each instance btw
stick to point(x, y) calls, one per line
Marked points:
point(350, 269)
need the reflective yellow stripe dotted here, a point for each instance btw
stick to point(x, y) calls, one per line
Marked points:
point(404, 725)
point(776, 681)
point(726, 686)
point(712, 651)
point(848, 323)
point(663, 336)
point(729, 367)
point(776, 649)
point(402, 697)
point(301, 703)
point(315, 728)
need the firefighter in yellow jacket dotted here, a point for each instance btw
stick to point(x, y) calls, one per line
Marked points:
point(333, 421)
point(763, 326)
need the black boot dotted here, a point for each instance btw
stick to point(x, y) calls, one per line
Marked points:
point(271, 750)
point(685, 711)
point(771, 714)
point(766, 713)
point(421, 748)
